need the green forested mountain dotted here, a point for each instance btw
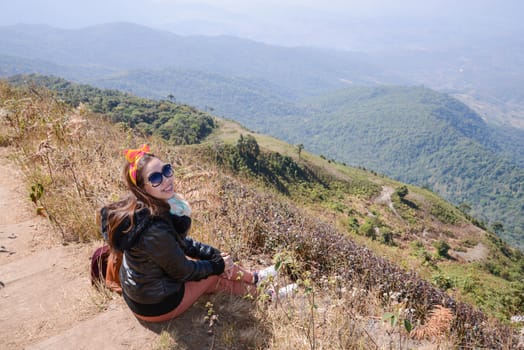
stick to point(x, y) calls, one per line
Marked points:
point(233, 97)
point(413, 134)
point(511, 140)
point(418, 136)
point(254, 102)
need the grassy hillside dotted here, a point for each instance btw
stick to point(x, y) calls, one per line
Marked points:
point(351, 238)
point(369, 208)
point(418, 136)
point(180, 124)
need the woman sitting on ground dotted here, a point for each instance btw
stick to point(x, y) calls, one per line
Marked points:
point(163, 270)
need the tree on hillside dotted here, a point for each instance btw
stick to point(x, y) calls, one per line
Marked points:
point(442, 248)
point(497, 227)
point(300, 147)
point(402, 191)
point(248, 149)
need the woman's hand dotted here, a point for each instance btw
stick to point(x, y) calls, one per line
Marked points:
point(229, 264)
point(228, 261)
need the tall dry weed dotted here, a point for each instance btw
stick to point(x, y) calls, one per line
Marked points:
point(72, 155)
point(437, 326)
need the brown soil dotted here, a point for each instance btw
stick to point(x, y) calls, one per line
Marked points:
point(477, 253)
point(385, 198)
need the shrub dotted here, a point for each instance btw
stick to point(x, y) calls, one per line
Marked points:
point(353, 224)
point(386, 237)
point(443, 282)
point(402, 191)
point(442, 248)
point(368, 229)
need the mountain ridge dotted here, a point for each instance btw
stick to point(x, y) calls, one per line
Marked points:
point(319, 69)
point(278, 91)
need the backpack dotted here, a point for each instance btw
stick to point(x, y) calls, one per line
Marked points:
point(105, 267)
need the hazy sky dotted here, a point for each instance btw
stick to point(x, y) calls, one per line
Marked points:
point(332, 23)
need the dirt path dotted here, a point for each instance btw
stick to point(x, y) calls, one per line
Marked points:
point(477, 253)
point(46, 300)
point(385, 198)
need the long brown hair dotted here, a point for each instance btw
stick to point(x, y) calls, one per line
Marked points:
point(136, 199)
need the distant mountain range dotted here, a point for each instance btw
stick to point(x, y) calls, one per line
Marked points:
point(492, 72)
point(329, 101)
point(122, 46)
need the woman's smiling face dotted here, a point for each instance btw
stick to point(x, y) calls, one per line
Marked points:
point(165, 189)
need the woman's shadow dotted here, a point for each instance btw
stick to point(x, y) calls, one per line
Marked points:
point(217, 321)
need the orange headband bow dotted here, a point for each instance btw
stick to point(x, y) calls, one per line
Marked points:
point(132, 157)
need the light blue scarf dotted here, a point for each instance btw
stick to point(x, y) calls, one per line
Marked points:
point(179, 206)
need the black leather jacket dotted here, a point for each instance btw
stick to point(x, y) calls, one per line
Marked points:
point(156, 251)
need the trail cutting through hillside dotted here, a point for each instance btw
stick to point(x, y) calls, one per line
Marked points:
point(385, 197)
point(46, 299)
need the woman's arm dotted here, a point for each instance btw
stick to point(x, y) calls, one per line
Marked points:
point(198, 250)
point(192, 248)
point(164, 250)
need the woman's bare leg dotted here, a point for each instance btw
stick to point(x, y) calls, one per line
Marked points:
point(238, 282)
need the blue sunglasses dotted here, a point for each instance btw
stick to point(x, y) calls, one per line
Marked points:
point(156, 178)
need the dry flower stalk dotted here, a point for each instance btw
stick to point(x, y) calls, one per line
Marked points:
point(437, 326)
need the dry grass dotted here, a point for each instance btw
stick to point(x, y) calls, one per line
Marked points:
point(71, 156)
point(77, 159)
point(319, 321)
point(101, 296)
point(437, 327)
